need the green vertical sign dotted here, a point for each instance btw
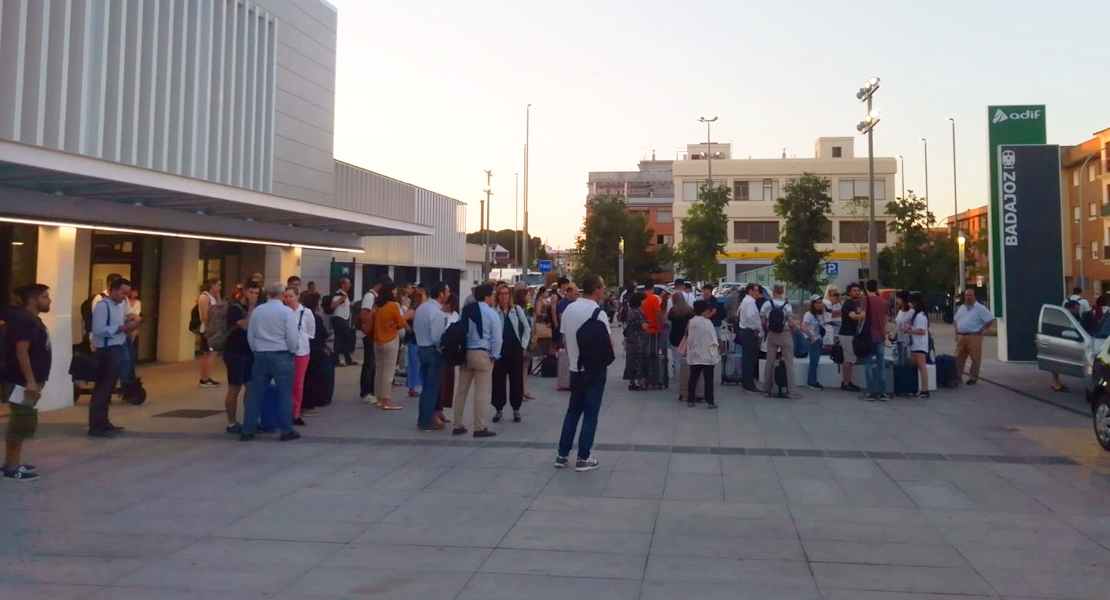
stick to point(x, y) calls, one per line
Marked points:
point(1024, 124)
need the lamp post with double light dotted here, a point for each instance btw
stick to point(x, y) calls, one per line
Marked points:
point(867, 125)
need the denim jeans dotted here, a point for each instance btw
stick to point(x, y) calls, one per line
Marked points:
point(876, 368)
point(815, 348)
point(585, 403)
point(366, 377)
point(431, 367)
point(127, 361)
point(276, 366)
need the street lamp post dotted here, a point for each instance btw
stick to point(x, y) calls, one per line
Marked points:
point(902, 168)
point(961, 240)
point(708, 147)
point(867, 126)
point(516, 224)
point(489, 205)
point(926, 142)
point(620, 263)
point(527, 132)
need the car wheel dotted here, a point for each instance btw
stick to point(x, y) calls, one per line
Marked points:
point(1102, 421)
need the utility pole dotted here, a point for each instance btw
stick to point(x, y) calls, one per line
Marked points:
point(488, 203)
point(516, 223)
point(527, 131)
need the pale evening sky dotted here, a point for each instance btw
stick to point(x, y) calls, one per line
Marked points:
point(434, 92)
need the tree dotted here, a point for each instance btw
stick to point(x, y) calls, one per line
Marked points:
point(858, 208)
point(805, 208)
point(508, 239)
point(607, 222)
point(704, 234)
point(921, 259)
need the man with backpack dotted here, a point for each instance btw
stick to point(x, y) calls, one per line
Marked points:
point(777, 317)
point(484, 338)
point(586, 331)
point(26, 366)
point(199, 323)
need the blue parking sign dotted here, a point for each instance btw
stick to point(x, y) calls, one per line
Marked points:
point(832, 268)
point(545, 266)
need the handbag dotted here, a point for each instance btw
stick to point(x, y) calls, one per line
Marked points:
point(862, 344)
point(543, 331)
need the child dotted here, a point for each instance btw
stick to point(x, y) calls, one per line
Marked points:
point(919, 342)
point(815, 335)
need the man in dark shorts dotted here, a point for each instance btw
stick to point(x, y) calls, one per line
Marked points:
point(237, 354)
point(26, 369)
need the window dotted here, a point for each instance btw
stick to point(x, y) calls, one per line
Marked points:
point(836, 151)
point(1094, 250)
point(770, 190)
point(1092, 172)
point(855, 232)
point(740, 191)
point(1056, 322)
point(755, 232)
point(1078, 252)
point(1093, 212)
point(664, 216)
point(1075, 177)
point(857, 188)
point(664, 240)
point(689, 191)
point(1075, 213)
point(825, 237)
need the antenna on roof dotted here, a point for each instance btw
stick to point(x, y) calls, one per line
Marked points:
point(784, 152)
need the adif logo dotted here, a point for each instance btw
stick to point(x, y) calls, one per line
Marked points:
point(1000, 115)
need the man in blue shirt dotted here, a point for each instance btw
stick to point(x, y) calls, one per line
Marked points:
point(483, 348)
point(428, 325)
point(972, 321)
point(273, 338)
point(718, 317)
point(109, 336)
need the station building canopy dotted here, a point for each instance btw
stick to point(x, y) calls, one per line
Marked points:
point(53, 187)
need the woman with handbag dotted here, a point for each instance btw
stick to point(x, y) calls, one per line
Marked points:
point(542, 323)
point(386, 322)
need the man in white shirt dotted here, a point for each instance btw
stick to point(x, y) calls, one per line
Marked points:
point(341, 323)
point(681, 286)
point(1077, 296)
point(273, 338)
point(366, 377)
point(586, 392)
point(750, 326)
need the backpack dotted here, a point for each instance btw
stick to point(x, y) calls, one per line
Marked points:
point(215, 329)
point(776, 320)
point(595, 348)
point(194, 318)
point(453, 342)
point(86, 311)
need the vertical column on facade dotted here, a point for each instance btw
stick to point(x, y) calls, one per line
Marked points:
point(82, 269)
point(176, 298)
point(55, 268)
point(290, 262)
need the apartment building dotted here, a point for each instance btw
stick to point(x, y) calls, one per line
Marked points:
point(648, 190)
point(973, 223)
point(756, 183)
point(1085, 178)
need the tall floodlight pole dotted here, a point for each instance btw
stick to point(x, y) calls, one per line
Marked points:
point(926, 143)
point(527, 132)
point(867, 125)
point(489, 204)
point(961, 278)
point(516, 223)
point(708, 147)
point(902, 168)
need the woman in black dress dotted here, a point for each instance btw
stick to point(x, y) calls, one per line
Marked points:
point(319, 380)
point(635, 344)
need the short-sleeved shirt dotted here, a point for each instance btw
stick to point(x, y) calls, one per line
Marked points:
point(650, 308)
point(236, 337)
point(920, 343)
point(343, 309)
point(972, 320)
point(812, 325)
point(782, 303)
point(848, 325)
point(876, 316)
point(904, 318)
point(22, 326)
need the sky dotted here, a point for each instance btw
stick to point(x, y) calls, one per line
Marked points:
point(434, 92)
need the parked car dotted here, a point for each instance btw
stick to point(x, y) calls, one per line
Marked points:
point(1065, 347)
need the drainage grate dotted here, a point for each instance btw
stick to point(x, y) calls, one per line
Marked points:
point(189, 413)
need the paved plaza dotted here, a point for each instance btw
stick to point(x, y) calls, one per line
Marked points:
point(988, 491)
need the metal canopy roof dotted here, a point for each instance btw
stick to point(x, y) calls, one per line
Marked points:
point(208, 205)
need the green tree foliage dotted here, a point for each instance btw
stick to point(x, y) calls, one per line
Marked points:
point(507, 238)
point(704, 234)
point(921, 259)
point(805, 208)
point(607, 222)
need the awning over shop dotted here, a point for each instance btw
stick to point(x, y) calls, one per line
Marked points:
point(43, 184)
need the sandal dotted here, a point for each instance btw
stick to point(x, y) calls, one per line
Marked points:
point(528, 396)
point(1062, 388)
point(390, 407)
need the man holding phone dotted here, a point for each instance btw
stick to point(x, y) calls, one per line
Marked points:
point(109, 334)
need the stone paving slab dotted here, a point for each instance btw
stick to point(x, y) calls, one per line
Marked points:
point(823, 498)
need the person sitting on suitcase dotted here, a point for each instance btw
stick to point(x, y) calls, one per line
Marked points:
point(778, 321)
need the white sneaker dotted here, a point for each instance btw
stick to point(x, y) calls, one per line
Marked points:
point(369, 399)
